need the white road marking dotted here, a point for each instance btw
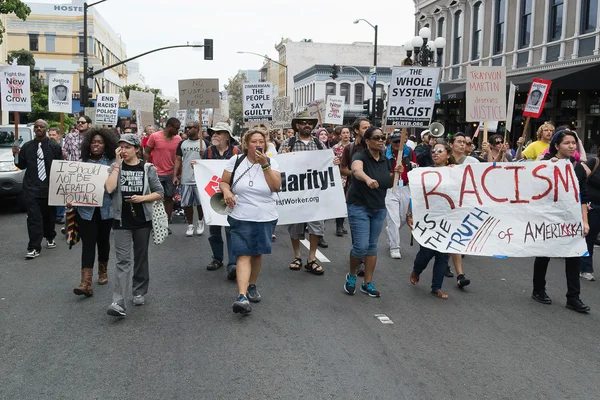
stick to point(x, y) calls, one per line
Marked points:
point(384, 319)
point(320, 256)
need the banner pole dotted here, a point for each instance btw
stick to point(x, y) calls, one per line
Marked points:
point(201, 132)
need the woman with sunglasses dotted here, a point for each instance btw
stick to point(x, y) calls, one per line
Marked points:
point(372, 175)
point(442, 157)
point(495, 150)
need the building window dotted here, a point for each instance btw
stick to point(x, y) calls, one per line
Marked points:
point(345, 91)
point(359, 93)
point(525, 33)
point(440, 32)
point(81, 44)
point(50, 43)
point(330, 89)
point(34, 43)
point(477, 39)
point(556, 20)
point(457, 37)
point(499, 27)
point(589, 10)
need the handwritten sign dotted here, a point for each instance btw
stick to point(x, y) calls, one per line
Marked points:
point(334, 110)
point(412, 96)
point(536, 99)
point(486, 94)
point(141, 101)
point(60, 89)
point(500, 209)
point(180, 115)
point(282, 111)
point(78, 183)
point(14, 88)
point(316, 109)
point(258, 102)
point(199, 93)
point(107, 109)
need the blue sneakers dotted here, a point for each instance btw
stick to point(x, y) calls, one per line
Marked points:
point(369, 288)
point(350, 285)
point(242, 305)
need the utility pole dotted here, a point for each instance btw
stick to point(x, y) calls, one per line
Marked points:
point(375, 80)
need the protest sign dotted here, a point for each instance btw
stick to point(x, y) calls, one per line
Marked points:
point(173, 108)
point(199, 93)
point(141, 101)
point(258, 102)
point(78, 183)
point(107, 109)
point(206, 116)
point(192, 115)
point(412, 96)
point(486, 94)
point(282, 111)
point(60, 89)
point(499, 210)
point(316, 109)
point(14, 88)
point(510, 107)
point(307, 194)
point(334, 110)
point(180, 115)
point(536, 99)
point(144, 119)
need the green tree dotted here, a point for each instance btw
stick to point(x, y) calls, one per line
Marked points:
point(158, 102)
point(39, 110)
point(25, 57)
point(20, 9)
point(234, 97)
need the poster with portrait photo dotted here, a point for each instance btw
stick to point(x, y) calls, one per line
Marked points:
point(536, 98)
point(60, 92)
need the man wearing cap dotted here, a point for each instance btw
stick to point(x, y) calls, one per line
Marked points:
point(162, 147)
point(187, 153)
point(397, 199)
point(304, 124)
point(222, 147)
point(423, 150)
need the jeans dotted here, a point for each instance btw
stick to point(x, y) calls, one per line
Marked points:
point(124, 241)
point(94, 233)
point(540, 266)
point(439, 266)
point(587, 263)
point(366, 225)
point(40, 221)
point(216, 244)
point(60, 212)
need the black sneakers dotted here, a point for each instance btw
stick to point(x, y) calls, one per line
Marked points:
point(253, 294)
point(360, 271)
point(241, 305)
point(577, 305)
point(231, 272)
point(214, 265)
point(449, 273)
point(541, 297)
point(462, 281)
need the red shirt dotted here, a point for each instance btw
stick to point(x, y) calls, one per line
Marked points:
point(163, 152)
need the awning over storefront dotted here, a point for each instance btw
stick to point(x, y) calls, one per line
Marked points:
point(577, 78)
point(452, 91)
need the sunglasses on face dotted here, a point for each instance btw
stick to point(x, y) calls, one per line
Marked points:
point(378, 138)
point(305, 123)
point(497, 143)
point(82, 122)
point(439, 151)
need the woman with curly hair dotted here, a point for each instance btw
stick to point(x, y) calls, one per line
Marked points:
point(97, 147)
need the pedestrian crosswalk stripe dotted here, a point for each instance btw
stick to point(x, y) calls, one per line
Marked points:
point(384, 319)
point(320, 256)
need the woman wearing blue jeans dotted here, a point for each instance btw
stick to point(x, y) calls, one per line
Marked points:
point(372, 175)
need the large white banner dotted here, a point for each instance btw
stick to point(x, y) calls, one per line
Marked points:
point(60, 89)
point(14, 88)
point(107, 109)
point(78, 183)
point(141, 101)
point(499, 209)
point(486, 94)
point(412, 96)
point(307, 193)
point(334, 112)
point(258, 102)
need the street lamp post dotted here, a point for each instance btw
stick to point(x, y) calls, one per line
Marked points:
point(424, 48)
point(276, 62)
point(84, 89)
point(374, 88)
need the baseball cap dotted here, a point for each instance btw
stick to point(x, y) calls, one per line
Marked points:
point(130, 138)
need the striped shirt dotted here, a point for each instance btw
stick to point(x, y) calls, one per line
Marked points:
point(72, 146)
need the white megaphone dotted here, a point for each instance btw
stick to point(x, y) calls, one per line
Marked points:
point(217, 203)
point(436, 130)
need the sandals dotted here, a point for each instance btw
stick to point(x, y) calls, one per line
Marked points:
point(314, 268)
point(296, 264)
point(438, 293)
point(414, 278)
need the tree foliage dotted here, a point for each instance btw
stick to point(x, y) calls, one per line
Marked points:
point(234, 97)
point(25, 58)
point(158, 102)
point(20, 9)
point(39, 110)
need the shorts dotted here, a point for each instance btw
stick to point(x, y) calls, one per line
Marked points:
point(250, 238)
point(315, 228)
point(167, 183)
point(190, 197)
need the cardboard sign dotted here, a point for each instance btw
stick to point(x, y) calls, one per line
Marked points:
point(60, 89)
point(412, 96)
point(206, 116)
point(173, 108)
point(316, 109)
point(536, 99)
point(14, 88)
point(107, 109)
point(486, 94)
point(311, 187)
point(282, 111)
point(199, 93)
point(141, 101)
point(78, 183)
point(144, 119)
point(499, 209)
point(180, 115)
point(258, 102)
point(334, 110)
point(510, 106)
point(192, 115)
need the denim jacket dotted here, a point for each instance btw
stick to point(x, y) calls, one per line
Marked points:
point(151, 185)
point(87, 213)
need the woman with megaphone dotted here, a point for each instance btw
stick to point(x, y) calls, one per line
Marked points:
point(249, 184)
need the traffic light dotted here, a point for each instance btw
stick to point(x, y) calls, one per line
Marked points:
point(334, 71)
point(86, 101)
point(379, 108)
point(208, 49)
point(367, 106)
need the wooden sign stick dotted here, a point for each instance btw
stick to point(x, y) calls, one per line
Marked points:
point(16, 115)
point(403, 139)
point(319, 114)
point(201, 132)
point(62, 123)
point(524, 135)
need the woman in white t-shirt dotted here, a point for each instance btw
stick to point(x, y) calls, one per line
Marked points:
point(248, 185)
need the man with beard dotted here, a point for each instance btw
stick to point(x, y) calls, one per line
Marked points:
point(304, 124)
point(535, 149)
point(72, 144)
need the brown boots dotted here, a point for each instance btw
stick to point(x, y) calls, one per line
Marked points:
point(85, 287)
point(102, 274)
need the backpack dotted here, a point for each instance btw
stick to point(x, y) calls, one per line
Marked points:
point(209, 151)
point(292, 143)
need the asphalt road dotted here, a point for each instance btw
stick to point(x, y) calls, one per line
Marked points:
point(307, 339)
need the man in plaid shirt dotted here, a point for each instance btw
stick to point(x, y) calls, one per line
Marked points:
point(72, 145)
point(304, 141)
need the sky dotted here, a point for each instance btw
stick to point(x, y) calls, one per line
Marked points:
point(238, 25)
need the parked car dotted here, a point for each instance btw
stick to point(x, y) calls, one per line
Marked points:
point(11, 177)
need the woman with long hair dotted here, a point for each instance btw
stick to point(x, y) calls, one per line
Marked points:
point(323, 136)
point(338, 151)
point(442, 157)
point(97, 147)
point(249, 184)
point(562, 146)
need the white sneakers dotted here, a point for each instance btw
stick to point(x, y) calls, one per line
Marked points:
point(190, 230)
point(587, 276)
point(395, 254)
point(199, 229)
